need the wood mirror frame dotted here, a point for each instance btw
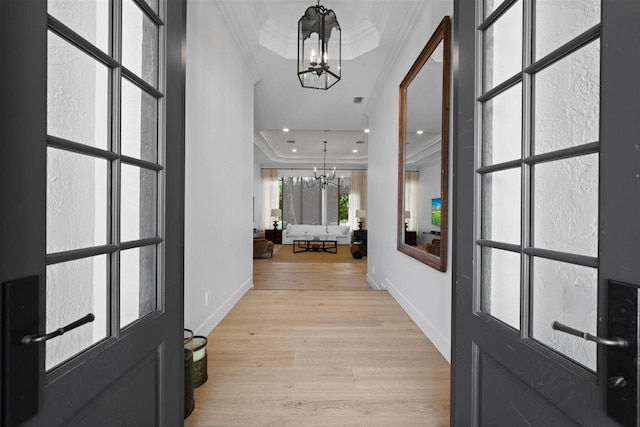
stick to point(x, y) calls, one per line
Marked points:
point(441, 35)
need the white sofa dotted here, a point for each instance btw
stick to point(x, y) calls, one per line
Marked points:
point(340, 233)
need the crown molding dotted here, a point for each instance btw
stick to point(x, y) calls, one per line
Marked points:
point(380, 15)
point(433, 145)
point(412, 17)
point(360, 40)
point(284, 42)
point(262, 141)
point(278, 39)
point(233, 24)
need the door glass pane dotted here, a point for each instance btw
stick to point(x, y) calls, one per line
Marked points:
point(567, 101)
point(153, 4)
point(77, 88)
point(138, 204)
point(490, 6)
point(501, 285)
point(139, 43)
point(503, 47)
point(139, 121)
point(76, 201)
point(559, 21)
point(501, 206)
point(137, 283)
point(75, 289)
point(565, 208)
point(89, 18)
point(502, 127)
point(565, 293)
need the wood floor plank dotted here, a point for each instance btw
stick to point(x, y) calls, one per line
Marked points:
point(315, 356)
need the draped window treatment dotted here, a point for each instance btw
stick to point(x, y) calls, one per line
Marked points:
point(358, 197)
point(270, 196)
point(411, 198)
point(302, 204)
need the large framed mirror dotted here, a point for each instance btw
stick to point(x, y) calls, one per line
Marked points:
point(423, 169)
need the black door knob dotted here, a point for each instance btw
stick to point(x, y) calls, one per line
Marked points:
point(616, 382)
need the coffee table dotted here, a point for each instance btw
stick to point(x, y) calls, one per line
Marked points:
point(304, 245)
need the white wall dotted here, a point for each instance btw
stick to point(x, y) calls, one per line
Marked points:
point(423, 292)
point(257, 195)
point(219, 170)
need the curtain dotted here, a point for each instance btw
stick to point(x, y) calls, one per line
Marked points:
point(270, 196)
point(358, 197)
point(411, 198)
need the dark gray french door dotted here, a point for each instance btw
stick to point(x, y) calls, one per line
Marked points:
point(92, 177)
point(547, 201)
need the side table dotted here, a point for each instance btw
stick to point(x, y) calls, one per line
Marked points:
point(274, 235)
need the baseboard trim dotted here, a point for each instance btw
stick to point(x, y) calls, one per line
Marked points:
point(212, 321)
point(441, 342)
point(375, 285)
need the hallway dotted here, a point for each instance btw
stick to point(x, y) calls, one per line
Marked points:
point(320, 357)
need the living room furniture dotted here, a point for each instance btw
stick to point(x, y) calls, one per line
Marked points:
point(339, 233)
point(274, 235)
point(361, 236)
point(410, 238)
point(433, 247)
point(357, 250)
point(314, 245)
point(429, 236)
point(261, 247)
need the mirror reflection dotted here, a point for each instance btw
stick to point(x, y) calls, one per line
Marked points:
point(423, 154)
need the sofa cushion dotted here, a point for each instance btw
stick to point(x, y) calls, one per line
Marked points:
point(338, 229)
point(322, 232)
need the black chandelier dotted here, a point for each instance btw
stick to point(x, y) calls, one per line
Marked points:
point(323, 180)
point(319, 54)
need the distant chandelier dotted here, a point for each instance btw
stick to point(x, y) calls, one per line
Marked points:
point(315, 68)
point(324, 179)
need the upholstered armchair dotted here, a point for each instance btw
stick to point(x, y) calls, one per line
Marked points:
point(262, 246)
point(433, 247)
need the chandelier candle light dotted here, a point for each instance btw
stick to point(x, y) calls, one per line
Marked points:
point(319, 48)
point(323, 179)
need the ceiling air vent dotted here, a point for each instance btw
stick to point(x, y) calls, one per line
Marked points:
point(358, 100)
point(291, 141)
point(359, 142)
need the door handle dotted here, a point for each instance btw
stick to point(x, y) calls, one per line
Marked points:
point(612, 342)
point(32, 338)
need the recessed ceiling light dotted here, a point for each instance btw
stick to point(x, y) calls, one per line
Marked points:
point(285, 129)
point(420, 132)
point(355, 151)
point(293, 150)
point(366, 131)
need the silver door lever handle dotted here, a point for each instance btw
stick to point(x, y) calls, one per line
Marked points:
point(29, 339)
point(613, 342)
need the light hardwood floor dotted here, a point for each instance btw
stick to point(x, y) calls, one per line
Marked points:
point(320, 356)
